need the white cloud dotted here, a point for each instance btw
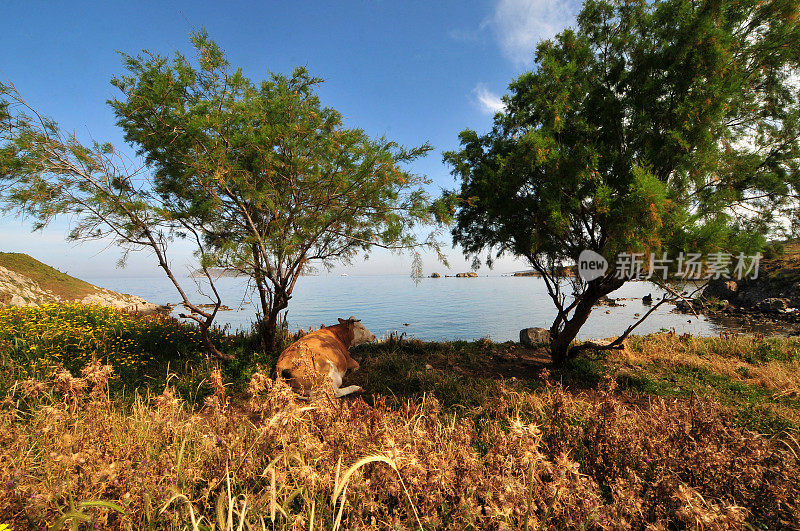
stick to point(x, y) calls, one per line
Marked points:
point(520, 24)
point(488, 101)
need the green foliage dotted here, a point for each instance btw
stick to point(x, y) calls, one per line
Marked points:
point(264, 163)
point(146, 352)
point(269, 177)
point(260, 176)
point(642, 114)
point(651, 127)
point(774, 250)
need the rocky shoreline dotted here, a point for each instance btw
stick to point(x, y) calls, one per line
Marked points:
point(745, 320)
point(769, 302)
point(32, 283)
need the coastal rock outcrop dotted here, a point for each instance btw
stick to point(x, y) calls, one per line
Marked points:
point(25, 281)
point(19, 290)
point(773, 304)
point(771, 301)
point(765, 294)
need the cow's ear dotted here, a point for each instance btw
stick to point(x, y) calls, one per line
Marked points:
point(342, 321)
point(353, 318)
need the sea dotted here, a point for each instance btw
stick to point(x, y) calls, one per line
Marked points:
point(430, 309)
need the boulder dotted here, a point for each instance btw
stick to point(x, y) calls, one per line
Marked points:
point(531, 337)
point(16, 300)
point(773, 304)
point(724, 290)
point(685, 305)
point(753, 292)
point(471, 274)
point(434, 275)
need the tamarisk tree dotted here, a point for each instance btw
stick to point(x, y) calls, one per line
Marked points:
point(265, 180)
point(46, 172)
point(652, 127)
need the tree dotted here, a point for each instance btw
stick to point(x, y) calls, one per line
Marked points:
point(265, 179)
point(653, 127)
point(46, 172)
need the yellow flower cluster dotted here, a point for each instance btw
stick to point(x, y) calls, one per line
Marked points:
point(71, 334)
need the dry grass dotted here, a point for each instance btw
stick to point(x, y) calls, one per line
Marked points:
point(771, 363)
point(653, 437)
point(544, 459)
point(741, 370)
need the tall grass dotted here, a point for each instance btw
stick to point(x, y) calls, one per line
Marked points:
point(543, 459)
point(424, 449)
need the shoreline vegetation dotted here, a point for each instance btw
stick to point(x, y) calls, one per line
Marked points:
point(120, 421)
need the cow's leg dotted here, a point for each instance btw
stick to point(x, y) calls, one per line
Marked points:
point(347, 390)
point(336, 381)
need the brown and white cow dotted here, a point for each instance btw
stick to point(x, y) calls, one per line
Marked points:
point(323, 354)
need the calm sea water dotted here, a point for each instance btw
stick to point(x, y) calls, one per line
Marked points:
point(433, 309)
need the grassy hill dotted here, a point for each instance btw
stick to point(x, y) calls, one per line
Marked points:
point(48, 278)
point(25, 281)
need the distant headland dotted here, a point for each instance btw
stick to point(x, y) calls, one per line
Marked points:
point(25, 281)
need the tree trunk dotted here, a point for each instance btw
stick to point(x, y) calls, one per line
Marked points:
point(561, 340)
point(265, 308)
point(258, 273)
point(269, 321)
point(210, 344)
point(559, 344)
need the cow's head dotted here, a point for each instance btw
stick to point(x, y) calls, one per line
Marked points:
point(360, 333)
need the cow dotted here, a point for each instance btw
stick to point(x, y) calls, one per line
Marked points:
point(323, 354)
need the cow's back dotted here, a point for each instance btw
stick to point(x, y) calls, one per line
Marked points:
point(305, 361)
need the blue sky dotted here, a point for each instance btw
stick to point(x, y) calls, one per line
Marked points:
point(412, 71)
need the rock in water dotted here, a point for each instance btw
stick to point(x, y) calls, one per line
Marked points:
point(531, 337)
point(605, 300)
